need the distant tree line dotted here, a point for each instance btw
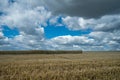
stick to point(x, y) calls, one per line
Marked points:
point(42, 52)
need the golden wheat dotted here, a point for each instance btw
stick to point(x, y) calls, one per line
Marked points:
point(88, 66)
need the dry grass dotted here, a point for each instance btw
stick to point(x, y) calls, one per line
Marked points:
point(86, 66)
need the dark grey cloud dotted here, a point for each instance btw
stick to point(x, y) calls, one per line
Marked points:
point(81, 8)
point(84, 8)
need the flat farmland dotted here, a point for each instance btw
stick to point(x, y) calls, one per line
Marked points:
point(73, 66)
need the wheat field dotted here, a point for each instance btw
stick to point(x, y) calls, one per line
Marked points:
point(85, 66)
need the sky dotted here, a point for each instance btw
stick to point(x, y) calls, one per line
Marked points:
point(88, 25)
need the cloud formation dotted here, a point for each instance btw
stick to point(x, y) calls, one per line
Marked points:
point(105, 23)
point(26, 17)
point(30, 17)
point(84, 8)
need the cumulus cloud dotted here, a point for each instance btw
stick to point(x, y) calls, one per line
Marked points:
point(74, 40)
point(1, 35)
point(71, 23)
point(23, 14)
point(109, 40)
point(105, 23)
point(68, 42)
point(78, 23)
point(23, 18)
point(108, 23)
point(3, 39)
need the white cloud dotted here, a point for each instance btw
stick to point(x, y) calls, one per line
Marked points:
point(1, 35)
point(71, 42)
point(18, 17)
point(105, 23)
point(71, 22)
point(3, 39)
point(56, 21)
point(23, 14)
point(109, 40)
point(78, 23)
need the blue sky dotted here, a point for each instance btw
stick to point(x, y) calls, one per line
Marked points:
point(59, 25)
point(10, 33)
point(53, 30)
